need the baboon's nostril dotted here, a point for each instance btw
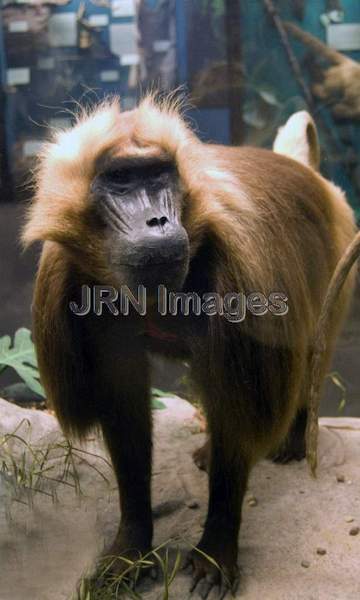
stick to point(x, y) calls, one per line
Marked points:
point(157, 222)
point(152, 222)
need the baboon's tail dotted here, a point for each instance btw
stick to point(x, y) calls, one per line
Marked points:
point(298, 139)
point(315, 44)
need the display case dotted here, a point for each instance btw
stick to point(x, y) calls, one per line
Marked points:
point(243, 71)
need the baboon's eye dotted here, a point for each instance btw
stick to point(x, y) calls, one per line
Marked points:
point(158, 180)
point(123, 182)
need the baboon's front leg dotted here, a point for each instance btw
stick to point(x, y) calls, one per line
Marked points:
point(228, 476)
point(130, 450)
point(126, 424)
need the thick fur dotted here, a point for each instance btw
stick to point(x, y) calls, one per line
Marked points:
point(256, 221)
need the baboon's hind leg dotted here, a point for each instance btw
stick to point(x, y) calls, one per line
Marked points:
point(201, 456)
point(293, 447)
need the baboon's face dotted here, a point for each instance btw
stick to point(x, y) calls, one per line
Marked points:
point(138, 202)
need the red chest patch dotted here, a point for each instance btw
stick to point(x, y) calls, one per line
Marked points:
point(155, 332)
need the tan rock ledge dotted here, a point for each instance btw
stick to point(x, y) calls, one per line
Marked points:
point(44, 549)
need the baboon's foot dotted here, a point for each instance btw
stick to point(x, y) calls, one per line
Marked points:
point(294, 446)
point(119, 569)
point(211, 573)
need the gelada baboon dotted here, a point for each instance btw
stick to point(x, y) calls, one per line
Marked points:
point(129, 198)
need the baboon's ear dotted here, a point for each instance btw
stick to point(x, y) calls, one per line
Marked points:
point(298, 139)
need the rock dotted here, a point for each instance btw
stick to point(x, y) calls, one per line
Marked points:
point(22, 395)
point(331, 451)
point(33, 426)
point(349, 519)
point(321, 551)
point(354, 531)
point(305, 564)
point(192, 504)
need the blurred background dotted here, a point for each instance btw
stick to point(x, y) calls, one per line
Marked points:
point(246, 66)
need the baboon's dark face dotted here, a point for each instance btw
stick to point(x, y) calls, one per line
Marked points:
point(139, 205)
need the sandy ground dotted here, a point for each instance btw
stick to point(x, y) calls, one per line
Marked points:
point(44, 549)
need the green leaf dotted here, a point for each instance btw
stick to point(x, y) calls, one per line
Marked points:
point(22, 358)
point(157, 404)
point(156, 393)
point(159, 393)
